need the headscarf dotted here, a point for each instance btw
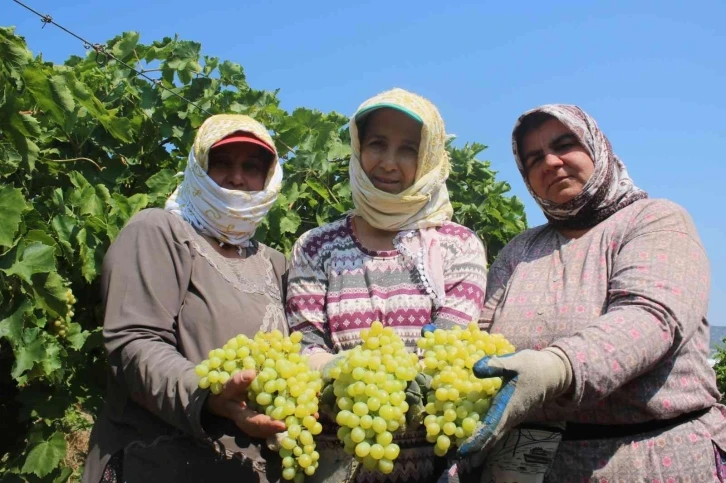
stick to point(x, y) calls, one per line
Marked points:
point(230, 216)
point(418, 210)
point(609, 188)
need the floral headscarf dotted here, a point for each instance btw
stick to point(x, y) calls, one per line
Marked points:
point(609, 188)
point(417, 211)
point(230, 216)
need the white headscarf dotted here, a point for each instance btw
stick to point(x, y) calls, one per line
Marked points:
point(230, 216)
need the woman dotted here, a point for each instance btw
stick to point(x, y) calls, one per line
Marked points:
point(607, 303)
point(178, 283)
point(397, 258)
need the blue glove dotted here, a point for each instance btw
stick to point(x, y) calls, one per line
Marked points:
point(530, 378)
point(427, 328)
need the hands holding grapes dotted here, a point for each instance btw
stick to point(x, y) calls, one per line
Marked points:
point(231, 403)
point(530, 378)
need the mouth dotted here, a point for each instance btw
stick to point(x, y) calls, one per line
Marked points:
point(558, 180)
point(385, 184)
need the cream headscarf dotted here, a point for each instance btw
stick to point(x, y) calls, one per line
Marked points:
point(230, 216)
point(417, 211)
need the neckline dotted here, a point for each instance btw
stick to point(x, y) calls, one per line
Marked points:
point(359, 245)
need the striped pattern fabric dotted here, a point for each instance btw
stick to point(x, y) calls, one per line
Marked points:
point(337, 287)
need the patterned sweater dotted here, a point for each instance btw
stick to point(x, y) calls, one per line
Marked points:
point(336, 287)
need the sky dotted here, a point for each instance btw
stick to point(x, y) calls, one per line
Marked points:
point(652, 74)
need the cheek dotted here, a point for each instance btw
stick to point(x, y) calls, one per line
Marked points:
point(255, 182)
point(409, 167)
point(368, 160)
point(535, 182)
point(217, 175)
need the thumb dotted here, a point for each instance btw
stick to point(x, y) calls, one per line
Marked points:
point(240, 382)
point(493, 367)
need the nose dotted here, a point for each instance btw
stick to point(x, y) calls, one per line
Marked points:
point(388, 160)
point(236, 177)
point(552, 161)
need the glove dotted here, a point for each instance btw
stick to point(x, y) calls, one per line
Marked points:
point(415, 397)
point(428, 328)
point(530, 378)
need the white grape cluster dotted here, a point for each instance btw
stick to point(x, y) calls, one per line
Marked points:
point(458, 399)
point(369, 386)
point(60, 325)
point(285, 389)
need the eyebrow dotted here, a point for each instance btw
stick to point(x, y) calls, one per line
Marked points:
point(558, 140)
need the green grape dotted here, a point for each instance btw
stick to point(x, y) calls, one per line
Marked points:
point(288, 473)
point(362, 449)
point(201, 370)
point(386, 466)
point(377, 451)
point(391, 451)
point(385, 438)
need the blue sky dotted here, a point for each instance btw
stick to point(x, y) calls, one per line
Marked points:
point(651, 73)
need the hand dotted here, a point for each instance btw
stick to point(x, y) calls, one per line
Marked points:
point(428, 328)
point(231, 403)
point(530, 378)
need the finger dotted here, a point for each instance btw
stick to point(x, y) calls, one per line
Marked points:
point(427, 328)
point(491, 427)
point(239, 384)
point(258, 425)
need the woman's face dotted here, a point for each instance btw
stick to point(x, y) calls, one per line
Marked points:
point(239, 166)
point(557, 165)
point(389, 150)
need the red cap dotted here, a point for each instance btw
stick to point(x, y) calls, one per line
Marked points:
point(242, 138)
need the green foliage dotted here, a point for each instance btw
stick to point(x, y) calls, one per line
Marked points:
point(84, 147)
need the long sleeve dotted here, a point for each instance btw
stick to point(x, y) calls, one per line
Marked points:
point(307, 286)
point(145, 276)
point(465, 277)
point(657, 296)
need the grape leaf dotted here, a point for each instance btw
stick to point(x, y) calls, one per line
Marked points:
point(11, 327)
point(290, 223)
point(50, 293)
point(33, 258)
point(26, 355)
point(12, 205)
point(44, 457)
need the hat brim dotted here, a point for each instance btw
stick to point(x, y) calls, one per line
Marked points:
point(361, 115)
point(243, 138)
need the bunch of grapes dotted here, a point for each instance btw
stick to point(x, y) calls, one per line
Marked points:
point(285, 389)
point(60, 325)
point(458, 399)
point(369, 385)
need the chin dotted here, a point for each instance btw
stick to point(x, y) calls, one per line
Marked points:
point(394, 190)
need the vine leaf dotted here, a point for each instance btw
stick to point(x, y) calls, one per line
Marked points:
point(44, 457)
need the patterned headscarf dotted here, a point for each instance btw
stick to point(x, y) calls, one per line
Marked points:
point(417, 211)
point(230, 216)
point(609, 188)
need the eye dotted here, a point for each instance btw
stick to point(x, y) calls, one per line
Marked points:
point(533, 160)
point(566, 146)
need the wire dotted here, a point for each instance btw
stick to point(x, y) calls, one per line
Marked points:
point(101, 50)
